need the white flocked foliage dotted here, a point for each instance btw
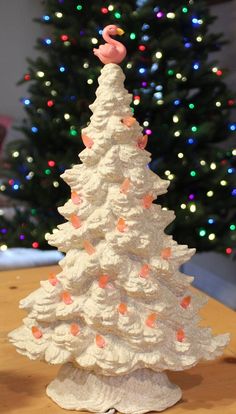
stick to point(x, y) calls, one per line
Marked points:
point(109, 341)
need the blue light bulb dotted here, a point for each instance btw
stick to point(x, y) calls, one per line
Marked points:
point(196, 66)
point(26, 101)
point(48, 41)
point(176, 102)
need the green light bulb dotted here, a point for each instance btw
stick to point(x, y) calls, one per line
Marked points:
point(202, 232)
point(191, 106)
point(194, 128)
point(79, 7)
point(185, 10)
point(232, 227)
point(193, 173)
point(117, 15)
point(170, 72)
point(73, 132)
point(132, 36)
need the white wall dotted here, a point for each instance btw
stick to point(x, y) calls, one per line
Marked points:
point(17, 37)
point(226, 23)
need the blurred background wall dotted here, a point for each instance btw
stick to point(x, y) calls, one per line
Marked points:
point(17, 38)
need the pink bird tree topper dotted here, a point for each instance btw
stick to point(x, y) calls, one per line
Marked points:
point(113, 51)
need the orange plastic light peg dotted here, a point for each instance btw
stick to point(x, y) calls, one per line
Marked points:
point(74, 329)
point(75, 197)
point(144, 271)
point(53, 279)
point(147, 200)
point(103, 281)
point(180, 335)
point(66, 297)
point(129, 121)
point(36, 332)
point(75, 221)
point(89, 247)
point(166, 253)
point(151, 319)
point(186, 302)
point(142, 141)
point(122, 308)
point(125, 186)
point(88, 142)
point(121, 225)
point(100, 341)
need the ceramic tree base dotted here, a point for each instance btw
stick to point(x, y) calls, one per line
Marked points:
point(139, 392)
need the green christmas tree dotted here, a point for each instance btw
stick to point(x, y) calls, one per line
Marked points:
point(185, 109)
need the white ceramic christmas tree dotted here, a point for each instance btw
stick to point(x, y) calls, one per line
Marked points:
point(120, 312)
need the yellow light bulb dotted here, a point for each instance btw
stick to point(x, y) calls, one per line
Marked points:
point(170, 15)
point(59, 15)
point(177, 133)
point(193, 208)
point(199, 38)
point(211, 236)
point(158, 55)
point(3, 247)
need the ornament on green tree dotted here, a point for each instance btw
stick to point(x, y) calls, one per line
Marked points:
point(119, 313)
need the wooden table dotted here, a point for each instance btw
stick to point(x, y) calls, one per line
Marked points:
point(210, 387)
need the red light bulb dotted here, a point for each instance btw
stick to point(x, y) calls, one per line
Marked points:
point(64, 37)
point(142, 48)
point(51, 163)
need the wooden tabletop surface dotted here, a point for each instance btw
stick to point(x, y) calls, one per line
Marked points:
point(208, 388)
